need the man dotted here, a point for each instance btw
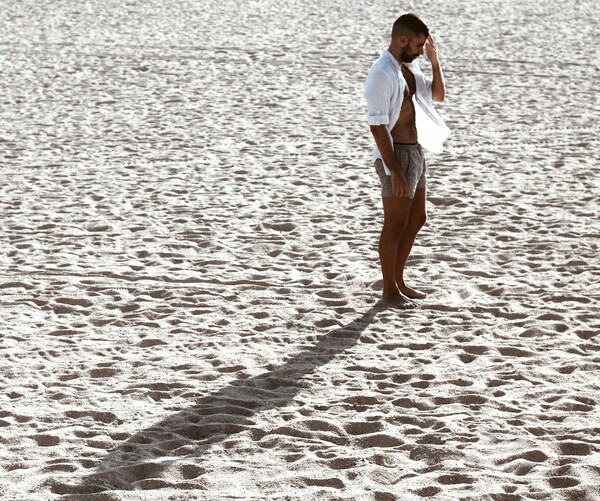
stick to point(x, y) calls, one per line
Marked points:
point(401, 117)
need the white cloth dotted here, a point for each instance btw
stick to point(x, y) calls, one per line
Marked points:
point(384, 93)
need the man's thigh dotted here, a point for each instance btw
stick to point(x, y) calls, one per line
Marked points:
point(396, 211)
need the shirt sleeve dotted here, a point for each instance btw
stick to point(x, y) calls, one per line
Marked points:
point(424, 83)
point(378, 94)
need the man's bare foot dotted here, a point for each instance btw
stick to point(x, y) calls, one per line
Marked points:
point(398, 301)
point(411, 293)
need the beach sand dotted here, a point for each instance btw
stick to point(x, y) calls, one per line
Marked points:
point(189, 274)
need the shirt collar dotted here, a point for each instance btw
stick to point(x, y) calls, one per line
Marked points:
point(388, 55)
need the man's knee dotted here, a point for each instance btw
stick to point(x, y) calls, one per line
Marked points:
point(420, 220)
point(395, 226)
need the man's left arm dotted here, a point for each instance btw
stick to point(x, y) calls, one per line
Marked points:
point(438, 87)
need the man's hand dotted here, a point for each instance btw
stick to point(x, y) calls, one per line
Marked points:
point(431, 50)
point(399, 184)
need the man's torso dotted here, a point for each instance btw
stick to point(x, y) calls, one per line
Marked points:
point(405, 130)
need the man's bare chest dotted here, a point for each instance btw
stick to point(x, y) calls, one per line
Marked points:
point(411, 84)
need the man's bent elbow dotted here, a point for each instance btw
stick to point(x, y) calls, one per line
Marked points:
point(438, 97)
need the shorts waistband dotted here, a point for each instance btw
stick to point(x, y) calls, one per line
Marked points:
point(406, 146)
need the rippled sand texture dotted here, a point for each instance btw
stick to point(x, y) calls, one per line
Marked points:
point(189, 272)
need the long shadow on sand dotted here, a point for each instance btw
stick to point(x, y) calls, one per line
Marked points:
point(140, 461)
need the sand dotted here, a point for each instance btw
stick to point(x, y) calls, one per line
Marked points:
point(189, 274)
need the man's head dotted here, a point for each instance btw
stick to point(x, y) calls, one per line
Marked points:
point(409, 35)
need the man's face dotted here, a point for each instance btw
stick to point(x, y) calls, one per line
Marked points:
point(414, 47)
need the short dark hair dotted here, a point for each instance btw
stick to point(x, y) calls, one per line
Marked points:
point(409, 23)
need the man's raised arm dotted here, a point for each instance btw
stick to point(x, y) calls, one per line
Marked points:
point(438, 87)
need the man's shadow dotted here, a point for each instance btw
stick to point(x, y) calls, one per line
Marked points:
point(215, 417)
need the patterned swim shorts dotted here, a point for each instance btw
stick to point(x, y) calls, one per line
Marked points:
point(411, 159)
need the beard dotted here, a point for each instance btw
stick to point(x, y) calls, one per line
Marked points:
point(407, 57)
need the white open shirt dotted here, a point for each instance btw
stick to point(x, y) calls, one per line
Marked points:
point(384, 93)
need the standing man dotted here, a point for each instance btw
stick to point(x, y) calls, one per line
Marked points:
point(402, 119)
